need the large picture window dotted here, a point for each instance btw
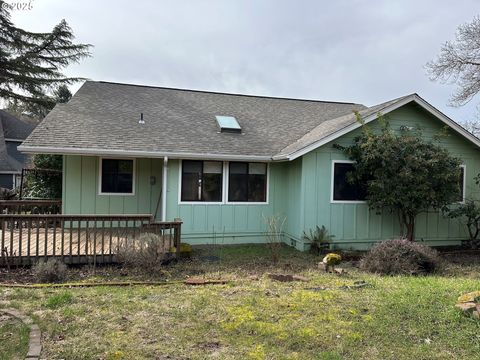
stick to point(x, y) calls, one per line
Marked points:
point(117, 176)
point(202, 181)
point(247, 182)
point(343, 190)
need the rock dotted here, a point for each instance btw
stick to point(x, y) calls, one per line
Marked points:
point(322, 266)
point(476, 315)
point(253, 277)
point(469, 297)
point(339, 271)
point(467, 307)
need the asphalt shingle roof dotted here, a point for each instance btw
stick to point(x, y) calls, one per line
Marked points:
point(11, 128)
point(105, 116)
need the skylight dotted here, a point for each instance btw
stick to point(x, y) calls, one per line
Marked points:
point(228, 124)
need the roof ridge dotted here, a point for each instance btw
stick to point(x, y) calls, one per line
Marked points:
point(224, 93)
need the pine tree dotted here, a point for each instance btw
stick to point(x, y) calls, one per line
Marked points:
point(31, 63)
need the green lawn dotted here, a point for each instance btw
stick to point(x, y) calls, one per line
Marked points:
point(13, 338)
point(250, 318)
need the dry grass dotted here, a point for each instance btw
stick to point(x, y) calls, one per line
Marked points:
point(255, 317)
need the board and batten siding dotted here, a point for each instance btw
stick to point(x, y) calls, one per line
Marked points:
point(353, 224)
point(225, 223)
point(80, 193)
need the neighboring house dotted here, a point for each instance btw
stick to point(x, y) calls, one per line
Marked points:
point(12, 132)
point(221, 162)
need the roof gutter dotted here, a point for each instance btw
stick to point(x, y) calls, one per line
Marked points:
point(151, 154)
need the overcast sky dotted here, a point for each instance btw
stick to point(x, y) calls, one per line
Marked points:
point(358, 51)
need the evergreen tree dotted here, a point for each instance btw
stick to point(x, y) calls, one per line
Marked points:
point(31, 63)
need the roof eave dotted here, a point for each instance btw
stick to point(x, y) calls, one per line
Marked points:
point(126, 153)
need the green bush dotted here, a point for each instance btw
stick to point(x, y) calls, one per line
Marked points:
point(401, 257)
point(52, 270)
point(319, 239)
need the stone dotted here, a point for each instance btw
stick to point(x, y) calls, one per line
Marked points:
point(322, 266)
point(467, 307)
point(476, 315)
point(469, 297)
point(339, 271)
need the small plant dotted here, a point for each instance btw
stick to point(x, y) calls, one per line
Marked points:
point(274, 235)
point(469, 214)
point(331, 260)
point(59, 300)
point(147, 252)
point(52, 270)
point(401, 257)
point(319, 239)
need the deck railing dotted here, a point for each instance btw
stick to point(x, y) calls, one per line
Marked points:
point(77, 239)
point(51, 206)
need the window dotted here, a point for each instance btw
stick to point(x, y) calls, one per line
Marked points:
point(247, 182)
point(116, 176)
point(202, 181)
point(461, 184)
point(343, 190)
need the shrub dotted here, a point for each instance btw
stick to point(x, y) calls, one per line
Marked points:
point(469, 214)
point(274, 235)
point(52, 270)
point(148, 252)
point(319, 239)
point(400, 256)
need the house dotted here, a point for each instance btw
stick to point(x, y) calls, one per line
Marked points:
point(221, 162)
point(12, 132)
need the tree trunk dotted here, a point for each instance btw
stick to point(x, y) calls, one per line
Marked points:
point(408, 221)
point(410, 224)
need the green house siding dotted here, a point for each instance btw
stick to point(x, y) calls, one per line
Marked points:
point(299, 190)
point(81, 185)
point(353, 224)
point(225, 223)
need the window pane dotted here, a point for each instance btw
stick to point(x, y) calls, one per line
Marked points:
point(257, 168)
point(212, 187)
point(190, 187)
point(238, 187)
point(190, 166)
point(238, 168)
point(247, 182)
point(257, 187)
point(202, 180)
point(117, 176)
point(342, 189)
point(191, 180)
point(212, 167)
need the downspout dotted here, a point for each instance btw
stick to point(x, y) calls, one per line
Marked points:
point(164, 188)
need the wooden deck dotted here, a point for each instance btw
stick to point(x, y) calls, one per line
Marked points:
point(77, 239)
point(73, 247)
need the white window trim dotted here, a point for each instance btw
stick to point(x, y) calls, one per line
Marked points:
point(266, 202)
point(134, 173)
point(180, 202)
point(332, 182)
point(464, 193)
point(225, 186)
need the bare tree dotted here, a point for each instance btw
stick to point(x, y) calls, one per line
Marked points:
point(459, 62)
